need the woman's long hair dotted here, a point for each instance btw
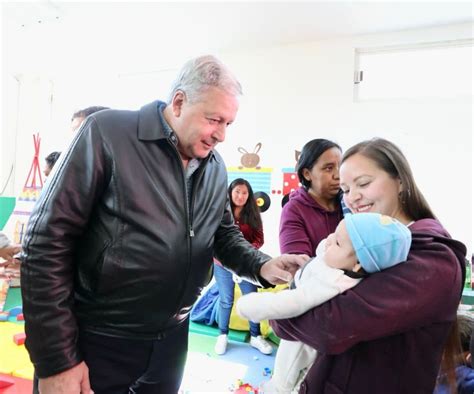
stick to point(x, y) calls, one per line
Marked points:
point(250, 213)
point(452, 357)
point(390, 159)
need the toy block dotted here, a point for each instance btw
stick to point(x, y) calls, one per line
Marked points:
point(20, 317)
point(19, 339)
point(15, 311)
point(6, 381)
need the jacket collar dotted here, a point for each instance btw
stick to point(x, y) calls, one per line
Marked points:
point(150, 127)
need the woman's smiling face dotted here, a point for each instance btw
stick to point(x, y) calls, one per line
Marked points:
point(368, 188)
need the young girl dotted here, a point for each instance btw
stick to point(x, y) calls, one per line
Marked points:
point(247, 217)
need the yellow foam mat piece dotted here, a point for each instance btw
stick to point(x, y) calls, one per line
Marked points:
point(14, 359)
point(240, 324)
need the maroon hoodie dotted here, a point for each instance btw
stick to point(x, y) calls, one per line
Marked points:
point(386, 335)
point(304, 223)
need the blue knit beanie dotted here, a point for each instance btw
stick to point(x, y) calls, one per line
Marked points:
point(379, 241)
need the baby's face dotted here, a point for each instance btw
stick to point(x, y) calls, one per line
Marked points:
point(339, 251)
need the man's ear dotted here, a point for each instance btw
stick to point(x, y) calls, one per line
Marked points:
point(468, 358)
point(177, 102)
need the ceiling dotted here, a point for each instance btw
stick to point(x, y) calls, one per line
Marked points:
point(59, 35)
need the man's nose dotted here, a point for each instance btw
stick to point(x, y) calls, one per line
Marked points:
point(219, 133)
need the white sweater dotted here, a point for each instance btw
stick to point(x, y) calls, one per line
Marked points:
point(316, 284)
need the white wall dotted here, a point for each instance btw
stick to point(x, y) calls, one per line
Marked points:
point(304, 91)
point(292, 94)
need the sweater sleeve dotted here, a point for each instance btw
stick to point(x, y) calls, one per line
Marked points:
point(396, 300)
point(257, 238)
point(293, 236)
point(323, 284)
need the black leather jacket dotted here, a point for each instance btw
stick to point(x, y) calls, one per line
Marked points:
point(110, 246)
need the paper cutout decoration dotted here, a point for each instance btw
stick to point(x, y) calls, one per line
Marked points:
point(250, 160)
point(16, 225)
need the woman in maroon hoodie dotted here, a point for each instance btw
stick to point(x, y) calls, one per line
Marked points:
point(314, 210)
point(387, 334)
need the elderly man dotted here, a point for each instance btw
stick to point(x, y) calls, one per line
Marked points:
point(122, 241)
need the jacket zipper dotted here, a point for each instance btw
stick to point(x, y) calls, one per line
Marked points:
point(189, 209)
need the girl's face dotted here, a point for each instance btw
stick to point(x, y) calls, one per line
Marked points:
point(368, 188)
point(324, 175)
point(240, 195)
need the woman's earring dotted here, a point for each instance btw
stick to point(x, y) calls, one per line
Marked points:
point(400, 198)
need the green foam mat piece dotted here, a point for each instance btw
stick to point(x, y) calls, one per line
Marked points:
point(201, 343)
point(468, 297)
point(13, 298)
point(273, 337)
point(238, 336)
point(7, 205)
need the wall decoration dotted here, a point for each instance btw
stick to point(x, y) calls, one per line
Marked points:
point(16, 225)
point(263, 201)
point(250, 160)
point(263, 179)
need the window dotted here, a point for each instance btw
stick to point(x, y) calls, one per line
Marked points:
point(436, 70)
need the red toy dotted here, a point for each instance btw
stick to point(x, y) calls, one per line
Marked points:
point(19, 339)
point(246, 388)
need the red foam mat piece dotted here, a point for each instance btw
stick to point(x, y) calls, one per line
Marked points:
point(19, 386)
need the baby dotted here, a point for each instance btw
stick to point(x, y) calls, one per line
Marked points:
point(362, 244)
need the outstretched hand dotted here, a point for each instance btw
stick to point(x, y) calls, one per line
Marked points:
point(8, 252)
point(280, 270)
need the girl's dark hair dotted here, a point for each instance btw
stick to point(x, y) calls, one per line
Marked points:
point(84, 113)
point(250, 213)
point(388, 157)
point(310, 154)
point(52, 158)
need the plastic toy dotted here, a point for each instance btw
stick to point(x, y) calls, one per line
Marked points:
point(19, 339)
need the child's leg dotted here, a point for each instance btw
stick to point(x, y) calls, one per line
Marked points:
point(292, 359)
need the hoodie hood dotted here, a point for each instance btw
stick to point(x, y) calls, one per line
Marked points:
point(303, 197)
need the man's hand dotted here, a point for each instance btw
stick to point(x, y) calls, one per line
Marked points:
point(280, 270)
point(71, 381)
point(8, 252)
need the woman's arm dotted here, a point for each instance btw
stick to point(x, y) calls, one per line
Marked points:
point(423, 291)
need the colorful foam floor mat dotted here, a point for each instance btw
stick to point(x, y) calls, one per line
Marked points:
point(205, 371)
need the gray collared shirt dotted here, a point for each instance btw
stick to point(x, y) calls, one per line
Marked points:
point(193, 164)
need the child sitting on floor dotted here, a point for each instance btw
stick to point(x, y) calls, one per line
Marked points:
point(362, 244)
